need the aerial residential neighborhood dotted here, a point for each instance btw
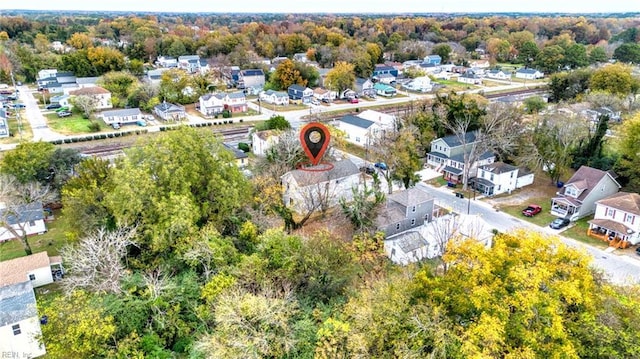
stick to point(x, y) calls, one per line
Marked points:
point(312, 182)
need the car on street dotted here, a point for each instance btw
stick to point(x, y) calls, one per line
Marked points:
point(367, 169)
point(559, 223)
point(64, 114)
point(381, 165)
point(531, 210)
point(116, 126)
point(19, 105)
point(141, 123)
point(354, 100)
point(53, 106)
point(63, 109)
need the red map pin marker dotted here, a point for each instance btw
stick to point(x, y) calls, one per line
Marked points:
point(314, 138)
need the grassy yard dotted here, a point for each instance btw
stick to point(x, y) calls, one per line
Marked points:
point(73, 124)
point(15, 134)
point(51, 241)
point(578, 231)
point(541, 219)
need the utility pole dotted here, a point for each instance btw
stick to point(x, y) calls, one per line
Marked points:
point(16, 109)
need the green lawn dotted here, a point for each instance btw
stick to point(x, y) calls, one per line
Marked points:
point(13, 130)
point(73, 124)
point(51, 241)
point(578, 231)
point(541, 219)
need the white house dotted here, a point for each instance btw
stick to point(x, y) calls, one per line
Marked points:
point(385, 78)
point(101, 96)
point(470, 77)
point(191, 63)
point(167, 62)
point(170, 112)
point(362, 131)
point(306, 189)
point(274, 97)
point(529, 74)
point(213, 104)
point(579, 195)
point(421, 84)
point(324, 95)
point(263, 140)
point(4, 124)
point(125, 116)
point(27, 219)
point(19, 322)
point(498, 74)
point(38, 268)
point(617, 219)
point(500, 177)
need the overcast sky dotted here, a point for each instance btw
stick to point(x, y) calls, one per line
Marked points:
point(332, 6)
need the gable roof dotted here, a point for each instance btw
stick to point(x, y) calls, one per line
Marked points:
point(586, 178)
point(410, 197)
point(15, 270)
point(17, 303)
point(238, 153)
point(625, 201)
point(276, 93)
point(252, 72)
point(527, 71)
point(168, 107)
point(499, 167)
point(122, 113)
point(454, 141)
point(356, 121)
point(341, 169)
point(26, 213)
point(297, 87)
point(88, 91)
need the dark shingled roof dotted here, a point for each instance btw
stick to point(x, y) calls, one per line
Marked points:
point(356, 121)
point(625, 201)
point(454, 141)
point(341, 169)
point(585, 179)
point(26, 213)
point(499, 167)
point(17, 303)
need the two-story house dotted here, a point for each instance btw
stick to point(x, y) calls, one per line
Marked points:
point(432, 59)
point(364, 87)
point(324, 95)
point(252, 78)
point(304, 190)
point(500, 177)
point(579, 195)
point(190, 63)
point(262, 141)
point(405, 210)
point(299, 94)
point(364, 128)
point(100, 96)
point(617, 219)
point(447, 155)
point(213, 104)
point(384, 69)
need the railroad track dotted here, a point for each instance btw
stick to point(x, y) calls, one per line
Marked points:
point(117, 148)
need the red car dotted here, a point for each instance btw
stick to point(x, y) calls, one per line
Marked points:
point(354, 100)
point(532, 210)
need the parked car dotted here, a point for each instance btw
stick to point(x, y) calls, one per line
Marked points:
point(354, 100)
point(532, 210)
point(115, 126)
point(559, 223)
point(381, 165)
point(63, 109)
point(19, 105)
point(367, 169)
point(141, 123)
point(64, 114)
point(325, 100)
point(53, 106)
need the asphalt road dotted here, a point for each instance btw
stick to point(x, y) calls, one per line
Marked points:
point(620, 269)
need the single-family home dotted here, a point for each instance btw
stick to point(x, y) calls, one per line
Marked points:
point(300, 57)
point(274, 97)
point(100, 95)
point(190, 63)
point(430, 68)
point(362, 130)
point(127, 116)
point(37, 268)
point(299, 94)
point(348, 94)
point(499, 177)
point(62, 100)
point(4, 123)
point(169, 112)
point(470, 77)
point(167, 62)
point(430, 240)
point(262, 141)
point(480, 64)
point(87, 81)
point(385, 78)
point(420, 84)
point(405, 210)
point(213, 104)
point(384, 69)
point(154, 77)
point(364, 87)
point(432, 59)
point(498, 74)
point(22, 220)
point(384, 120)
point(447, 156)
point(19, 322)
point(324, 95)
point(529, 74)
point(617, 219)
point(251, 78)
point(578, 196)
point(396, 65)
point(384, 90)
point(242, 160)
point(304, 190)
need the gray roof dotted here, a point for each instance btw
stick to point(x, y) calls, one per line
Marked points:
point(453, 170)
point(238, 153)
point(356, 121)
point(276, 93)
point(410, 241)
point(341, 169)
point(527, 71)
point(297, 87)
point(252, 72)
point(26, 213)
point(499, 167)
point(86, 80)
point(484, 156)
point(454, 141)
point(122, 113)
point(410, 197)
point(17, 303)
point(168, 107)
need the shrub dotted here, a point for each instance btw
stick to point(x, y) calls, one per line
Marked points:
point(94, 126)
point(244, 147)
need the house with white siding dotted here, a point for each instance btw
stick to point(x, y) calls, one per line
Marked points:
point(22, 220)
point(447, 156)
point(19, 322)
point(37, 268)
point(499, 177)
point(617, 219)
